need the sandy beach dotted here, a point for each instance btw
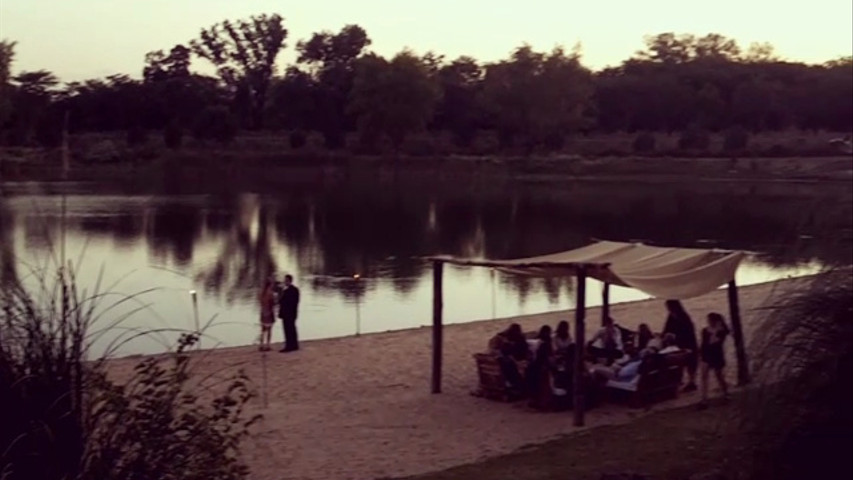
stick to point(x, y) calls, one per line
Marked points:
point(360, 407)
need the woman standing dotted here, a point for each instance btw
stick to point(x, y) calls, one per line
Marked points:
point(681, 326)
point(713, 357)
point(267, 303)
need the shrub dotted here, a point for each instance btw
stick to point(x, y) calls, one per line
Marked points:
point(798, 419)
point(554, 142)
point(136, 136)
point(645, 143)
point(334, 139)
point(694, 138)
point(63, 418)
point(778, 150)
point(215, 123)
point(298, 139)
point(173, 135)
point(735, 140)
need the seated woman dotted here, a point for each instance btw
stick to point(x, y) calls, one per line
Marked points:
point(510, 347)
point(607, 342)
point(562, 341)
point(644, 336)
point(540, 388)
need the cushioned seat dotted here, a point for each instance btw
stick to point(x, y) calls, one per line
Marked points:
point(629, 385)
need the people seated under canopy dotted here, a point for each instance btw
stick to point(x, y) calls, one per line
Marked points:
point(510, 347)
point(607, 342)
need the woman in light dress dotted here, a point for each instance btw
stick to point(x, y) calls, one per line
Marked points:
point(267, 302)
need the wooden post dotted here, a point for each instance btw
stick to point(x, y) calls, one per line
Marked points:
point(580, 341)
point(737, 335)
point(605, 303)
point(437, 303)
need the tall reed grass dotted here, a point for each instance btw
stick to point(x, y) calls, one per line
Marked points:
point(798, 421)
point(63, 417)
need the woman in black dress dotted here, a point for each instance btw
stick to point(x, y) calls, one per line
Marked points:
point(680, 324)
point(713, 357)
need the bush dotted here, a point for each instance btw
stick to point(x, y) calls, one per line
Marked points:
point(63, 418)
point(298, 139)
point(735, 140)
point(334, 139)
point(554, 142)
point(694, 138)
point(136, 136)
point(645, 143)
point(173, 136)
point(798, 419)
point(215, 123)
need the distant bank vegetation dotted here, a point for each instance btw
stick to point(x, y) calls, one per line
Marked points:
point(680, 94)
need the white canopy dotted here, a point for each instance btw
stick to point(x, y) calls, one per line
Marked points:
point(663, 272)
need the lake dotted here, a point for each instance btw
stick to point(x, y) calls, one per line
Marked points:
point(220, 242)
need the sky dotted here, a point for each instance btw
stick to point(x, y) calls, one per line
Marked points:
point(80, 39)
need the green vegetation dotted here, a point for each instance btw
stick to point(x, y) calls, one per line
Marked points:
point(64, 418)
point(424, 104)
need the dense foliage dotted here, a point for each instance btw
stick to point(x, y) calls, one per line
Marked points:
point(798, 421)
point(531, 100)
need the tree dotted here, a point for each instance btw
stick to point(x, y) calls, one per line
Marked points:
point(459, 110)
point(160, 66)
point(668, 48)
point(175, 94)
point(536, 97)
point(293, 103)
point(244, 54)
point(331, 60)
point(32, 98)
point(394, 97)
point(716, 47)
point(760, 53)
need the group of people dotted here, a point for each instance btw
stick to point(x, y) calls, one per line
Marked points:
point(540, 366)
point(285, 296)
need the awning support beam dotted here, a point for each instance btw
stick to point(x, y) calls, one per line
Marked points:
point(580, 341)
point(437, 324)
point(737, 335)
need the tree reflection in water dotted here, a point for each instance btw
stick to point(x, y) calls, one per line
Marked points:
point(8, 263)
point(379, 231)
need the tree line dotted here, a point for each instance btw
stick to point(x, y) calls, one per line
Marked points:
point(529, 101)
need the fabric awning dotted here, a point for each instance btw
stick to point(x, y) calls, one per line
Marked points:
point(663, 272)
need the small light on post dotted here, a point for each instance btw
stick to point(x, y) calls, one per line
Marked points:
point(195, 314)
point(356, 277)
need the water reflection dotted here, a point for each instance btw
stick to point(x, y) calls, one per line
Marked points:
point(225, 244)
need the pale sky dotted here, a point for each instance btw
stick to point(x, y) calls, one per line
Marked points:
point(79, 39)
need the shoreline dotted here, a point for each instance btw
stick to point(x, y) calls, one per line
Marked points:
point(360, 407)
point(445, 326)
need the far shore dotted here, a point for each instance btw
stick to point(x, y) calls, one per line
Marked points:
point(200, 167)
point(360, 407)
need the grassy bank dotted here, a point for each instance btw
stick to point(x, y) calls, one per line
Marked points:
point(668, 445)
point(308, 168)
point(777, 156)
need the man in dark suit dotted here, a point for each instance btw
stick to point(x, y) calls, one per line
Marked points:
point(288, 307)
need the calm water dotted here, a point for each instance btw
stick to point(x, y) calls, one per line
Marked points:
point(219, 243)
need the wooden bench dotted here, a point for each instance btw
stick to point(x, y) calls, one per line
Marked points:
point(493, 384)
point(659, 379)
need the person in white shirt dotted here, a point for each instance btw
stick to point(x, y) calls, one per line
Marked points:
point(607, 342)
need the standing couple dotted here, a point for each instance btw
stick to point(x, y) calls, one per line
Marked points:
point(286, 295)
